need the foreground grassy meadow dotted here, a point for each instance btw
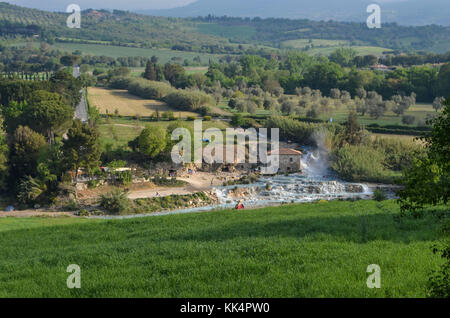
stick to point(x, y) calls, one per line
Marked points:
point(309, 250)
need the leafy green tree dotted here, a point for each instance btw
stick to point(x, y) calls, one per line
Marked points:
point(324, 77)
point(438, 103)
point(152, 141)
point(13, 115)
point(69, 60)
point(428, 180)
point(343, 56)
point(81, 148)
point(25, 149)
point(237, 120)
point(154, 59)
point(46, 112)
point(174, 73)
point(67, 86)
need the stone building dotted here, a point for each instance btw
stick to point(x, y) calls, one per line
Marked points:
point(290, 160)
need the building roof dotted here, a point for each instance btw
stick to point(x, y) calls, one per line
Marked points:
point(287, 152)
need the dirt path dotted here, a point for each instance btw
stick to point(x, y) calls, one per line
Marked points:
point(200, 181)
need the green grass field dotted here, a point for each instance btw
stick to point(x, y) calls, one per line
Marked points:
point(164, 55)
point(326, 47)
point(119, 131)
point(420, 111)
point(308, 250)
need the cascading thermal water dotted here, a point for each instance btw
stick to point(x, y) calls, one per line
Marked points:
point(315, 182)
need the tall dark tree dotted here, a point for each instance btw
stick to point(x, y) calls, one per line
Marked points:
point(444, 81)
point(150, 71)
point(81, 149)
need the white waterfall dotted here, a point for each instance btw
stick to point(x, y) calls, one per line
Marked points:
point(316, 182)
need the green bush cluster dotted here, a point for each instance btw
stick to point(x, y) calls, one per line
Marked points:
point(398, 154)
point(171, 202)
point(375, 161)
point(190, 100)
point(167, 182)
point(359, 163)
point(115, 202)
point(149, 89)
point(379, 195)
point(248, 179)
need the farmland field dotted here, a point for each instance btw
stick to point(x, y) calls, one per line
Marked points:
point(326, 47)
point(164, 55)
point(108, 100)
point(419, 111)
point(308, 250)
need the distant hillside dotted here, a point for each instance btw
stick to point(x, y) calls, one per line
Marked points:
point(405, 12)
point(218, 35)
point(102, 26)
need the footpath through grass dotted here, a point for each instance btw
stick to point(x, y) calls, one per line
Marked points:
point(308, 250)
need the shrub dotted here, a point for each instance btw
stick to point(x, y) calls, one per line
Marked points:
point(359, 163)
point(149, 89)
point(237, 120)
point(379, 195)
point(72, 205)
point(115, 202)
point(204, 111)
point(438, 282)
point(188, 99)
point(83, 212)
point(207, 118)
point(408, 119)
point(92, 184)
point(399, 154)
point(119, 82)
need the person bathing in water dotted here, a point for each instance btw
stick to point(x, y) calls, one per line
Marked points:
point(240, 206)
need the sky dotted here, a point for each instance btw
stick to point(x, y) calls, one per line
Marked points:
point(61, 5)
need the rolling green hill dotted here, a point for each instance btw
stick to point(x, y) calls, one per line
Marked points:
point(309, 250)
point(222, 35)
